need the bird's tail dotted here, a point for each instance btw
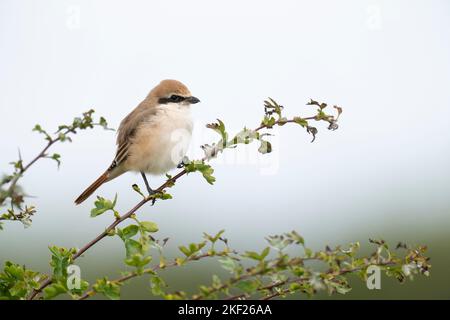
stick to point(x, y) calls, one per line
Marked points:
point(94, 186)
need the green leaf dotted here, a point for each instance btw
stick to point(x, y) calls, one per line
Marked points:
point(271, 106)
point(245, 136)
point(180, 261)
point(54, 290)
point(14, 270)
point(343, 289)
point(269, 122)
point(308, 253)
point(205, 169)
point(63, 137)
point(313, 103)
point(19, 289)
point(138, 260)
point(109, 289)
point(216, 282)
point(102, 205)
point(301, 122)
point(157, 284)
point(321, 115)
point(295, 286)
point(185, 251)
point(57, 158)
point(207, 174)
point(296, 237)
point(255, 256)
point(264, 253)
point(75, 293)
point(215, 238)
point(132, 247)
point(149, 226)
point(219, 127)
point(17, 282)
point(102, 122)
point(193, 247)
point(228, 264)
point(248, 286)
point(252, 255)
point(61, 259)
point(38, 128)
point(138, 190)
point(128, 232)
point(163, 196)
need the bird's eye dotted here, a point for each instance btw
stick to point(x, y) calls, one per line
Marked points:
point(175, 98)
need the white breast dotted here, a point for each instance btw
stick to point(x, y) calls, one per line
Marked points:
point(162, 141)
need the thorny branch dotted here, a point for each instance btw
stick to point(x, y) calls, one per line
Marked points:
point(271, 277)
point(272, 109)
point(13, 192)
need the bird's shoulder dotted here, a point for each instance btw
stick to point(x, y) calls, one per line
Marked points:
point(145, 110)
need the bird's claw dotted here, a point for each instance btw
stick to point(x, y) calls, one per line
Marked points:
point(152, 193)
point(183, 162)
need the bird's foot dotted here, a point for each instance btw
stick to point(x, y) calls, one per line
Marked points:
point(152, 193)
point(183, 162)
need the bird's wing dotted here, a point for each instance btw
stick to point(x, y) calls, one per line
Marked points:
point(121, 155)
point(127, 130)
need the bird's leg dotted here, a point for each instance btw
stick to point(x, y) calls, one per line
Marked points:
point(149, 189)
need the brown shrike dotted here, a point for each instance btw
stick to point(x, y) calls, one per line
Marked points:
point(154, 137)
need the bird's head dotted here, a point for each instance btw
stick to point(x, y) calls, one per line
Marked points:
point(173, 92)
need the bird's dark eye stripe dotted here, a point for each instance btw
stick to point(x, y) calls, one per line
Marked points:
point(172, 98)
point(176, 98)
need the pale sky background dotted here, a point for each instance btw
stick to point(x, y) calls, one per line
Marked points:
point(384, 173)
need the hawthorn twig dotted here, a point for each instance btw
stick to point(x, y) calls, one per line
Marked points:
point(62, 135)
point(282, 292)
point(150, 270)
point(22, 170)
point(160, 189)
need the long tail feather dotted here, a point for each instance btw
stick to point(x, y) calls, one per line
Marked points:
point(91, 189)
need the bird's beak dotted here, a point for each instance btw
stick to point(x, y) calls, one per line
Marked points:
point(193, 100)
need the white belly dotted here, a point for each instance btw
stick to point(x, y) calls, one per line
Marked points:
point(161, 142)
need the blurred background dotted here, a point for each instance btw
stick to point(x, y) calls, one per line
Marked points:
point(384, 174)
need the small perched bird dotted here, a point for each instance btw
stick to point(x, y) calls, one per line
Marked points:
point(154, 137)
